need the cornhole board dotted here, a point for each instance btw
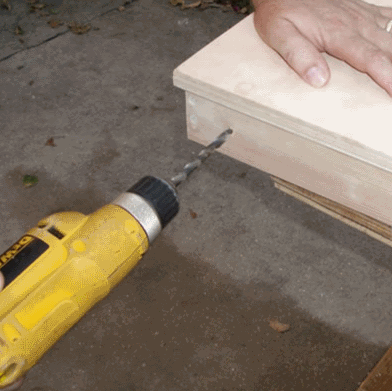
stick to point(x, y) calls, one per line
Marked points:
point(330, 147)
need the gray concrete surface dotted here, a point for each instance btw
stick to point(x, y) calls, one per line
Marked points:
point(33, 22)
point(194, 315)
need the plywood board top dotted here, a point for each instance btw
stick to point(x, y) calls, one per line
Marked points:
point(351, 114)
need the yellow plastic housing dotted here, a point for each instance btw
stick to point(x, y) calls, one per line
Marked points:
point(61, 285)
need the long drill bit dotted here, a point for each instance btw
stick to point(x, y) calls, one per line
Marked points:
point(203, 155)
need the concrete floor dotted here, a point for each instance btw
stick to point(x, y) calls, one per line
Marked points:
point(194, 314)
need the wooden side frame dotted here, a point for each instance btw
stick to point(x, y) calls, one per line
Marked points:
point(348, 181)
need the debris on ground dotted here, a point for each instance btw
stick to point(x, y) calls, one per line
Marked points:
point(50, 142)
point(193, 214)
point(5, 4)
point(18, 30)
point(185, 6)
point(192, 5)
point(36, 6)
point(30, 180)
point(79, 28)
point(239, 6)
point(278, 326)
point(54, 23)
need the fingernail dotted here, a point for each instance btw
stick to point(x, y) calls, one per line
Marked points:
point(316, 77)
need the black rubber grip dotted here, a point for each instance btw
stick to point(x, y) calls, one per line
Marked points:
point(161, 196)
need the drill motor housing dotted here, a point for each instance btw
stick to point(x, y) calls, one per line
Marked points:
point(62, 267)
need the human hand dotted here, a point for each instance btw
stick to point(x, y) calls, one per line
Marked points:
point(350, 30)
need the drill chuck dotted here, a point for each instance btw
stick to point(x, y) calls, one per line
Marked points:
point(153, 202)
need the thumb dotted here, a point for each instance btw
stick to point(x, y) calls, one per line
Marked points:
point(1, 281)
point(299, 53)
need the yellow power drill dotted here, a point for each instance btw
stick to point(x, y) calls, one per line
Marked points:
point(62, 267)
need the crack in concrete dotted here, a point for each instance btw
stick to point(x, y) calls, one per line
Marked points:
point(57, 35)
point(34, 46)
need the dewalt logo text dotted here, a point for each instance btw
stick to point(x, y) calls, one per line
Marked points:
point(15, 249)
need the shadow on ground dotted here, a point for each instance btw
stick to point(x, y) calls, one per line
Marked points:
point(177, 324)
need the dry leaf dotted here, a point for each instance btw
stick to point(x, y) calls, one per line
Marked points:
point(121, 8)
point(226, 8)
point(50, 142)
point(35, 6)
point(78, 28)
point(54, 23)
point(193, 214)
point(279, 327)
point(5, 4)
point(205, 5)
point(19, 31)
point(212, 4)
point(177, 2)
point(193, 5)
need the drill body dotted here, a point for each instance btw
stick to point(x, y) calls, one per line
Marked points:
point(66, 264)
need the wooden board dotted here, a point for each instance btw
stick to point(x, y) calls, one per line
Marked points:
point(351, 182)
point(359, 221)
point(380, 378)
point(334, 141)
